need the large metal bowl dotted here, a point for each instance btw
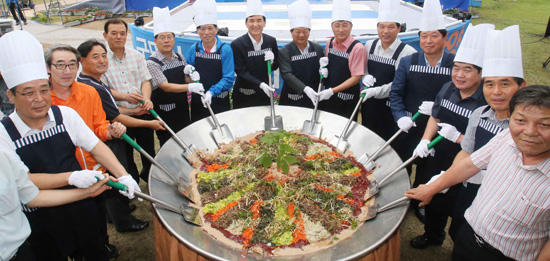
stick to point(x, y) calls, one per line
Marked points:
point(245, 121)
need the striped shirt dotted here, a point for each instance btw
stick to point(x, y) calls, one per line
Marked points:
point(488, 120)
point(512, 209)
point(127, 74)
point(155, 69)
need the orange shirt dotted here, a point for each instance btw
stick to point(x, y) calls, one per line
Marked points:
point(85, 100)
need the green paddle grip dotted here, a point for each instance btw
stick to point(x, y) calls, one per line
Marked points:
point(116, 185)
point(153, 112)
point(415, 116)
point(130, 141)
point(435, 141)
point(269, 68)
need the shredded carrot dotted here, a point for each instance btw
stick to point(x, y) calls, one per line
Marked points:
point(256, 209)
point(325, 189)
point(215, 167)
point(300, 232)
point(253, 141)
point(340, 197)
point(282, 180)
point(247, 235)
point(269, 177)
point(220, 212)
point(290, 210)
point(334, 154)
point(356, 174)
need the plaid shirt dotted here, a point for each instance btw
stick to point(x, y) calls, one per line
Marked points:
point(512, 208)
point(156, 69)
point(126, 75)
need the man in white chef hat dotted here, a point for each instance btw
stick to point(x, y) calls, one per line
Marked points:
point(169, 83)
point(383, 57)
point(299, 60)
point(251, 51)
point(213, 59)
point(452, 108)
point(346, 64)
point(508, 219)
point(44, 138)
point(418, 79)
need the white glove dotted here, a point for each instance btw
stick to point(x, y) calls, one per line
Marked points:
point(188, 69)
point(195, 88)
point(323, 72)
point(132, 185)
point(266, 88)
point(269, 56)
point(436, 177)
point(323, 62)
point(369, 80)
point(422, 149)
point(311, 94)
point(426, 108)
point(84, 178)
point(449, 132)
point(369, 93)
point(195, 76)
point(405, 123)
point(325, 95)
point(207, 99)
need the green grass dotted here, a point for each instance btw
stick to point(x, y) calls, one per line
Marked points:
point(532, 17)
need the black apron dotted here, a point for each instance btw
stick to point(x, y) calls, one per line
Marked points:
point(172, 107)
point(211, 70)
point(423, 83)
point(306, 68)
point(245, 94)
point(68, 230)
point(485, 131)
point(344, 102)
point(376, 113)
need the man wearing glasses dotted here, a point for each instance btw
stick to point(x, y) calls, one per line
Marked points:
point(168, 81)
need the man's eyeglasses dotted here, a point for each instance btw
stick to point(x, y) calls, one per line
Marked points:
point(166, 38)
point(32, 94)
point(62, 66)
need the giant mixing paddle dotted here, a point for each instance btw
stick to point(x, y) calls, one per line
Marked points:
point(376, 208)
point(367, 161)
point(374, 186)
point(341, 141)
point(189, 213)
point(183, 188)
point(313, 127)
point(187, 150)
point(220, 133)
point(273, 122)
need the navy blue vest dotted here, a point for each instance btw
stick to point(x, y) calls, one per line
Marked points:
point(344, 102)
point(209, 65)
point(485, 131)
point(376, 113)
point(306, 68)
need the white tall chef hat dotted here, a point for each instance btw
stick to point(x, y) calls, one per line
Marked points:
point(432, 16)
point(341, 10)
point(472, 47)
point(254, 7)
point(21, 58)
point(163, 20)
point(388, 11)
point(299, 14)
point(205, 12)
point(503, 53)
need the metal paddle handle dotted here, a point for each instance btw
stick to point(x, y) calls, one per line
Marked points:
point(314, 115)
point(271, 94)
point(411, 159)
point(379, 150)
point(176, 137)
point(348, 124)
point(214, 118)
point(392, 204)
point(136, 146)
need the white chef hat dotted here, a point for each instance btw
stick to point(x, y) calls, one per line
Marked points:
point(162, 20)
point(21, 58)
point(503, 53)
point(472, 47)
point(299, 14)
point(388, 11)
point(341, 10)
point(254, 7)
point(432, 16)
point(205, 12)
